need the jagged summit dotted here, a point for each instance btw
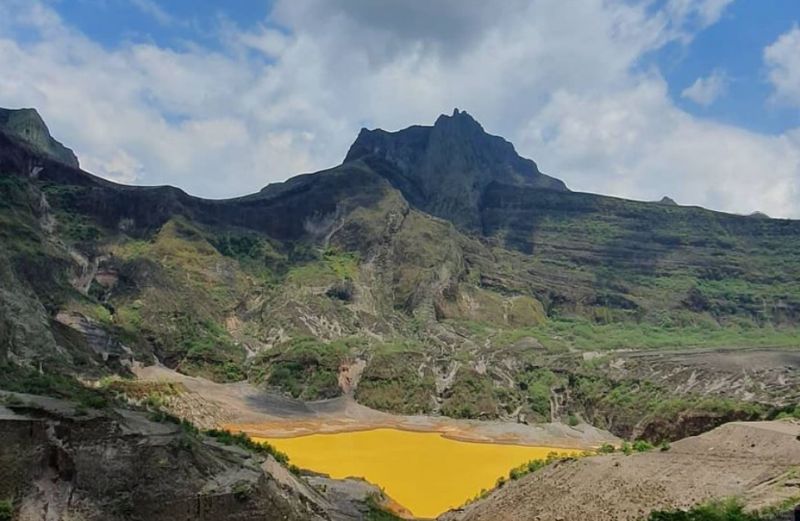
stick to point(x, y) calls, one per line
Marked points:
point(28, 126)
point(445, 168)
point(459, 118)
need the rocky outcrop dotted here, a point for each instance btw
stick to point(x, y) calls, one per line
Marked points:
point(62, 462)
point(444, 169)
point(29, 127)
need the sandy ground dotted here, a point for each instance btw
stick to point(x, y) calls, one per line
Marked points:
point(758, 462)
point(242, 407)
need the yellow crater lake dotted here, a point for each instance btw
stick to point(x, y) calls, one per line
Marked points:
point(423, 471)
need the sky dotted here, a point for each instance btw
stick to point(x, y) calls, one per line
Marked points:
point(698, 100)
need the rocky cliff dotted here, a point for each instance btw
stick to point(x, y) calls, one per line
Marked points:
point(445, 169)
point(62, 461)
point(456, 274)
point(28, 126)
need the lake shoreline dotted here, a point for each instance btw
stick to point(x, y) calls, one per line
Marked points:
point(412, 466)
point(283, 430)
point(242, 407)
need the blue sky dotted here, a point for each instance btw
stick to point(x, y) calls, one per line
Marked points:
point(695, 99)
point(173, 23)
point(735, 44)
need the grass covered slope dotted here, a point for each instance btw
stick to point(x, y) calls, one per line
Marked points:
point(338, 282)
point(616, 259)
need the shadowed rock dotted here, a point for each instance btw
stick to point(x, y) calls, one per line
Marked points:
point(445, 169)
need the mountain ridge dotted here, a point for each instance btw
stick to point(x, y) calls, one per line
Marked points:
point(472, 316)
point(444, 169)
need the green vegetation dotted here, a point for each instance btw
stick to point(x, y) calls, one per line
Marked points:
point(793, 413)
point(472, 395)
point(6, 509)
point(537, 464)
point(303, 367)
point(397, 382)
point(378, 513)
point(153, 394)
point(528, 468)
point(333, 266)
point(254, 253)
point(560, 334)
point(606, 448)
point(242, 440)
point(51, 383)
point(208, 350)
point(76, 228)
point(157, 413)
point(536, 384)
point(729, 510)
point(628, 403)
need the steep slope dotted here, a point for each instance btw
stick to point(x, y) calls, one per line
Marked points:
point(459, 278)
point(444, 169)
point(62, 461)
point(28, 126)
point(752, 461)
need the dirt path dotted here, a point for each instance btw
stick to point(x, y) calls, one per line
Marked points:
point(757, 461)
point(242, 407)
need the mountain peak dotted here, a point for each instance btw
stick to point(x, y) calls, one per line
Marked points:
point(27, 125)
point(459, 119)
point(444, 169)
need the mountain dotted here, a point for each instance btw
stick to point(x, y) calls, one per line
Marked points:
point(461, 279)
point(27, 126)
point(445, 169)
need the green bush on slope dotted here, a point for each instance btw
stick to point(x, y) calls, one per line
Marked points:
point(303, 367)
point(6, 510)
point(729, 510)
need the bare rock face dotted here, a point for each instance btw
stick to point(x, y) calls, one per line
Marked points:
point(28, 126)
point(59, 463)
point(444, 169)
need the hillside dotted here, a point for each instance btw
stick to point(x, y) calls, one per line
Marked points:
point(753, 461)
point(434, 271)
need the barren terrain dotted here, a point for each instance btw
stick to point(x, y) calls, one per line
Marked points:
point(757, 461)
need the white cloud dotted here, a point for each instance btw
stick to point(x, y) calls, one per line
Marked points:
point(152, 9)
point(783, 63)
point(564, 84)
point(705, 91)
point(636, 144)
point(120, 167)
point(697, 13)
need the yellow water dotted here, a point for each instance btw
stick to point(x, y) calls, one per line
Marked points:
point(423, 471)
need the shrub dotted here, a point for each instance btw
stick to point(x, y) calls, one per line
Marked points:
point(606, 448)
point(6, 509)
point(30, 381)
point(242, 440)
point(537, 464)
point(730, 510)
point(242, 490)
